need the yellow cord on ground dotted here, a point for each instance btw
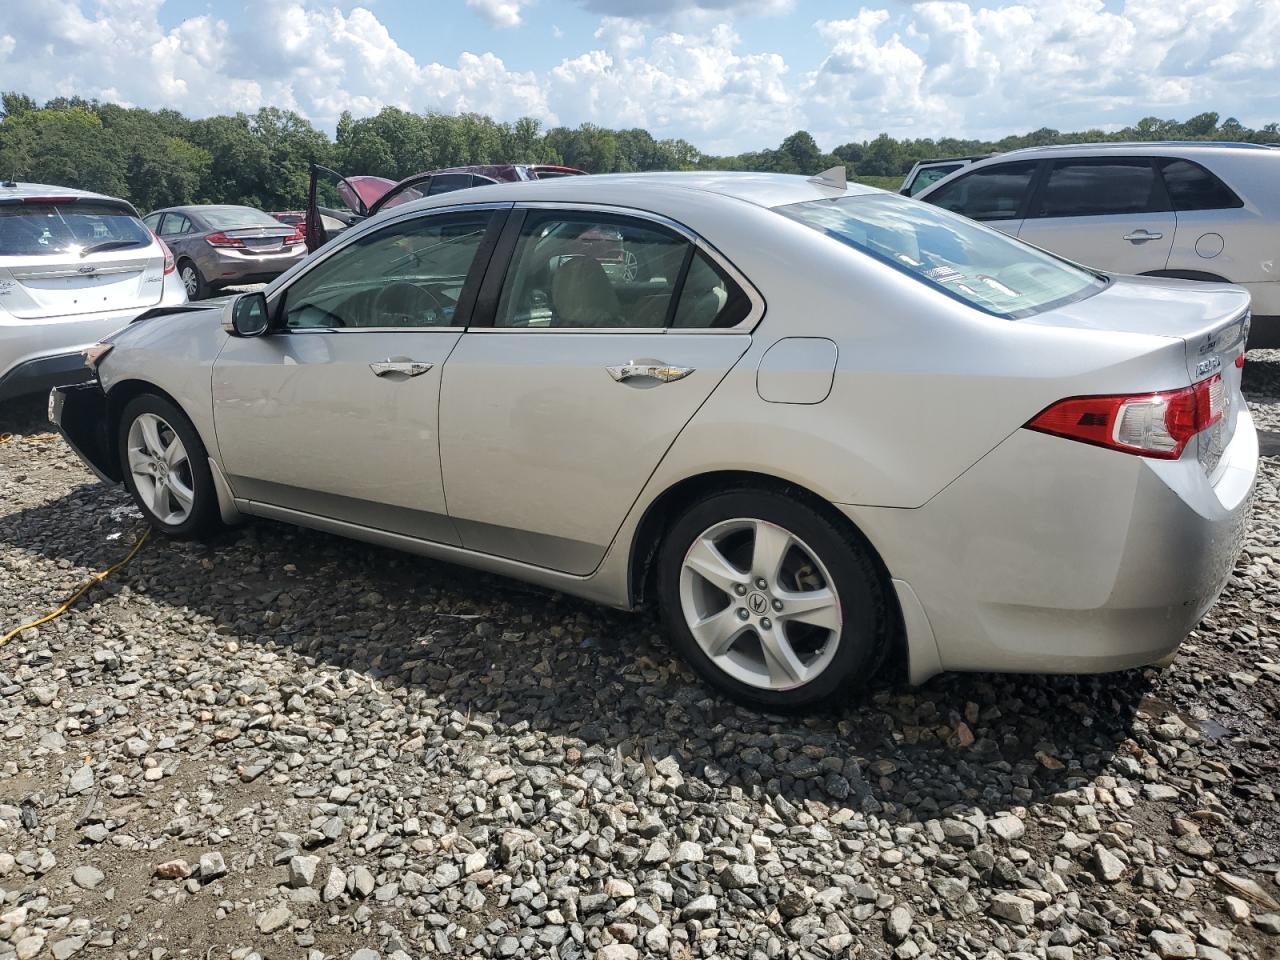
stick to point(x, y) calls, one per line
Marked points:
point(96, 578)
point(33, 438)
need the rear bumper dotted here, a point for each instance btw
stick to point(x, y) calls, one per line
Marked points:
point(80, 414)
point(41, 375)
point(1050, 556)
point(229, 267)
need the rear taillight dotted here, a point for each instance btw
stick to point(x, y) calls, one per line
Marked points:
point(169, 265)
point(222, 240)
point(1150, 424)
point(298, 236)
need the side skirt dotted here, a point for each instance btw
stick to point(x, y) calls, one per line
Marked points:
point(586, 587)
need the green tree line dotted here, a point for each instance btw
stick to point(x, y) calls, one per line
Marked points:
point(157, 158)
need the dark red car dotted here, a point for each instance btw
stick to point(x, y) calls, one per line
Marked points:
point(365, 196)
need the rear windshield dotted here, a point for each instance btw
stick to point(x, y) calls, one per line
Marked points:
point(230, 218)
point(68, 228)
point(963, 259)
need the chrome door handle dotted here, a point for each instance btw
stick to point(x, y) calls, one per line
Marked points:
point(1139, 236)
point(647, 370)
point(408, 368)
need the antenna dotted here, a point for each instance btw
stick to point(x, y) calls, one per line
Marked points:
point(833, 178)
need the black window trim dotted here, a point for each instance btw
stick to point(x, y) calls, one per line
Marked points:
point(485, 314)
point(1046, 168)
point(277, 299)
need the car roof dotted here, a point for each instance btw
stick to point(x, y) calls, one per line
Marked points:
point(11, 190)
point(644, 190)
point(198, 207)
point(1154, 147)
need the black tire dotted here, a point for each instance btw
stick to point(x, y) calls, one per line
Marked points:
point(188, 272)
point(857, 578)
point(204, 517)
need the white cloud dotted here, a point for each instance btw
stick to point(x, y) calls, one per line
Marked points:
point(678, 67)
point(499, 13)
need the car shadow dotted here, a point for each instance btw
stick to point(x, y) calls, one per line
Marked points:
point(491, 649)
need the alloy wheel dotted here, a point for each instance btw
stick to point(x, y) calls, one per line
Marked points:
point(630, 266)
point(191, 281)
point(760, 603)
point(161, 469)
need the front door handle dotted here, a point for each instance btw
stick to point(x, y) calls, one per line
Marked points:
point(1141, 236)
point(647, 370)
point(407, 368)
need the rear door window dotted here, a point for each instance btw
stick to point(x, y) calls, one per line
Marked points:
point(988, 193)
point(79, 227)
point(1192, 187)
point(1100, 186)
point(709, 297)
point(174, 224)
point(575, 270)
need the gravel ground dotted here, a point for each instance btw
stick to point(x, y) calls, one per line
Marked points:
point(282, 744)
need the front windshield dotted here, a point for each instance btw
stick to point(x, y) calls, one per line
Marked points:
point(965, 260)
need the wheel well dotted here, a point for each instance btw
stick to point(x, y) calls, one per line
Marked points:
point(119, 396)
point(1202, 275)
point(673, 501)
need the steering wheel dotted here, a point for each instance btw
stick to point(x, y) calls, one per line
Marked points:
point(402, 304)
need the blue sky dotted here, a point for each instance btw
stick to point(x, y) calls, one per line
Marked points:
point(727, 75)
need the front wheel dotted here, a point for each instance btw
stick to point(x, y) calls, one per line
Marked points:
point(166, 468)
point(770, 601)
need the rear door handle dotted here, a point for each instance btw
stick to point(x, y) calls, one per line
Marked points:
point(406, 368)
point(1141, 236)
point(647, 370)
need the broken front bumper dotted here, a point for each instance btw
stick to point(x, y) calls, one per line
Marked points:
point(80, 413)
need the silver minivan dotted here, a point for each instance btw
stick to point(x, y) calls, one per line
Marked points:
point(74, 268)
point(1190, 210)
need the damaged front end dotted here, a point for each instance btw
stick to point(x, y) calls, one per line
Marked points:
point(79, 411)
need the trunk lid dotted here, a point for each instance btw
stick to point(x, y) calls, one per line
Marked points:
point(35, 288)
point(69, 255)
point(262, 239)
point(1211, 320)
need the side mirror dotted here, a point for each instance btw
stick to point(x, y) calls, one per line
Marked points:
point(247, 316)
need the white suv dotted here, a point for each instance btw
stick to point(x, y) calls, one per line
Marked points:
point(74, 268)
point(1196, 211)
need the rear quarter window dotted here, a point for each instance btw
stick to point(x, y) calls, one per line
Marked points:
point(1192, 187)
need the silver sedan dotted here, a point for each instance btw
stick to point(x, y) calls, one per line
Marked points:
point(813, 422)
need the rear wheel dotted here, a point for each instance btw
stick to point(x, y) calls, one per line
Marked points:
point(166, 468)
point(770, 601)
point(193, 280)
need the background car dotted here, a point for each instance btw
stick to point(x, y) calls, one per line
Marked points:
point(831, 420)
point(925, 173)
point(219, 245)
point(1196, 211)
point(365, 196)
point(74, 267)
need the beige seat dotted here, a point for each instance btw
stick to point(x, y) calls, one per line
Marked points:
point(583, 296)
